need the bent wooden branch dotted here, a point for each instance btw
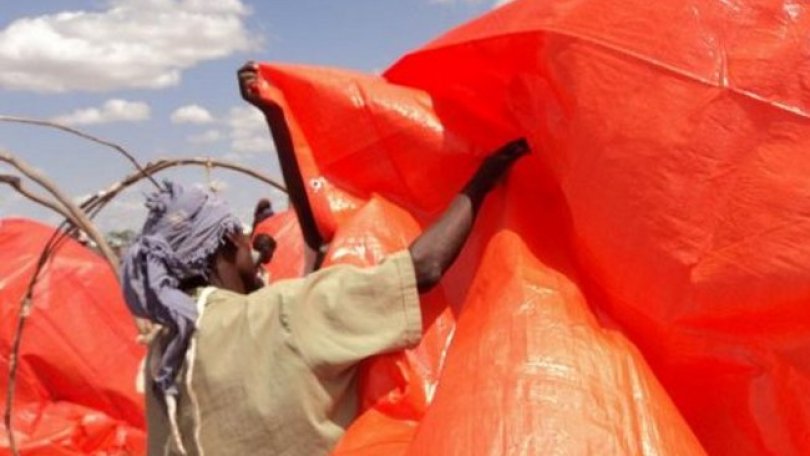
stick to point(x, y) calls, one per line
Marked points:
point(79, 133)
point(96, 202)
point(76, 213)
point(15, 183)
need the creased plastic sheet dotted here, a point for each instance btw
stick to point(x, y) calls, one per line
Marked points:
point(76, 378)
point(642, 278)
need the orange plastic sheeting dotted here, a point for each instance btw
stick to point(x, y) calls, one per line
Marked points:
point(288, 260)
point(75, 392)
point(666, 204)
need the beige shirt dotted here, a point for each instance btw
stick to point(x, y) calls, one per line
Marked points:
point(273, 372)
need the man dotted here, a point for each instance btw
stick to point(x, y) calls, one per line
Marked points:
point(240, 369)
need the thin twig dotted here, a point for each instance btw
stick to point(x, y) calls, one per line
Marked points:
point(77, 214)
point(95, 203)
point(16, 184)
point(81, 134)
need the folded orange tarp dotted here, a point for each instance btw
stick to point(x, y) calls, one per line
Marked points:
point(642, 276)
point(78, 360)
point(639, 285)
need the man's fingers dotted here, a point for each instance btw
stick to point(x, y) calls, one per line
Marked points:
point(248, 86)
point(249, 66)
point(522, 145)
point(519, 146)
point(247, 76)
point(513, 150)
point(248, 80)
point(252, 87)
point(248, 73)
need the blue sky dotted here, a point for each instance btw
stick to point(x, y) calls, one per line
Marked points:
point(158, 77)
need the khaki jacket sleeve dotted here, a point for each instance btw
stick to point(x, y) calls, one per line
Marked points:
point(342, 314)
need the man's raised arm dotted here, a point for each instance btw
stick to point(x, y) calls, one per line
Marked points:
point(438, 246)
point(248, 80)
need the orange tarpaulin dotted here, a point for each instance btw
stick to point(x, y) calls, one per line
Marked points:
point(642, 276)
point(639, 284)
point(78, 360)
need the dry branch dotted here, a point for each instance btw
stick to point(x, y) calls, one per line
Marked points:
point(16, 184)
point(81, 134)
point(96, 202)
point(76, 213)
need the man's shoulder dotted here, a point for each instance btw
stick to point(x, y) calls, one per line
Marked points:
point(221, 295)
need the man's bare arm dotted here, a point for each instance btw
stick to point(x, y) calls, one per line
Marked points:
point(438, 246)
point(248, 78)
point(435, 250)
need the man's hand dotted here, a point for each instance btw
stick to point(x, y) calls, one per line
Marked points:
point(248, 78)
point(439, 245)
point(496, 165)
point(250, 86)
point(260, 94)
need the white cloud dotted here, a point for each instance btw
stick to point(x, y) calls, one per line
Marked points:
point(115, 110)
point(248, 131)
point(131, 44)
point(207, 137)
point(244, 127)
point(193, 113)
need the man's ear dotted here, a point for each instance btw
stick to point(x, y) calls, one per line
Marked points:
point(230, 246)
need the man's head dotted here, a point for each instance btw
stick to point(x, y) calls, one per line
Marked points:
point(190, 238)
point(200, 238)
